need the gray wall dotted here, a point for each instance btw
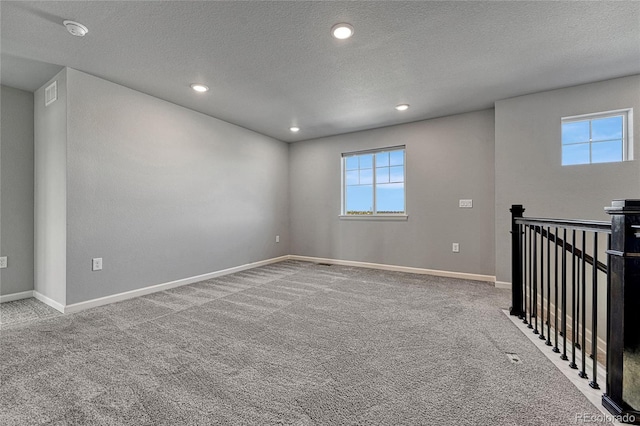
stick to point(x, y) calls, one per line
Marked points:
point(528, 159)
point(16, 190)
point(163, 193)
point(50, 135)
point(447, 159)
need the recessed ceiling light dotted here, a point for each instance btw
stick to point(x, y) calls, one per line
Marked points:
point(294, 129)
point(75, 28)
point(402, 107)
point(199, 87)
point(342, 31)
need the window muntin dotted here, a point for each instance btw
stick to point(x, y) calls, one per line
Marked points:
point(596, 138)
point(374, 182)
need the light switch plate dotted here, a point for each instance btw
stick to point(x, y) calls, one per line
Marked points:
point(466, 204)
point(3, 262)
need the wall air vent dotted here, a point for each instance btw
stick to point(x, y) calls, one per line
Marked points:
point(50, 94)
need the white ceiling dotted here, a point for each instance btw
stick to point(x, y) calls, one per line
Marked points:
point(273, 64)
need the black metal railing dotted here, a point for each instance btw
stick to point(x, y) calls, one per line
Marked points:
point(570, 275)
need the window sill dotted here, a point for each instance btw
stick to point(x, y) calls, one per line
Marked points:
point(380, 217)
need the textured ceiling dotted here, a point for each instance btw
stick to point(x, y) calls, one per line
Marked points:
point(273, 64)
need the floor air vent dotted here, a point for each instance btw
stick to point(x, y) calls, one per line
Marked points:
point(324, 264)
point(514, 358)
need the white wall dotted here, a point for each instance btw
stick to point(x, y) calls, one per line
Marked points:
point(528, 159)
point(16, 190)
point(447, 159)
point(50, 139)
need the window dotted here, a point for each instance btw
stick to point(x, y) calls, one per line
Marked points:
point(597, 138)
point(373, 182)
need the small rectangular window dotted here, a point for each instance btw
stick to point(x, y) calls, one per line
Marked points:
point(597, 138)
point(373, 182)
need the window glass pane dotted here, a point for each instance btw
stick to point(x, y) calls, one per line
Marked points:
point(606, 129)
point(351, 163)
point(397, 174)
point(382, 159)
point(397, 158)
point(606, 152)
point(577, 131)
point(352, 177)
point(382, 175)
point(360, 182)
point(366, 177)
point(366, 161)
point(575, 154)
point(359, 199)
point(390, 198)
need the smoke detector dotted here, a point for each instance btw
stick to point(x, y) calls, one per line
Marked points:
point(76, 28)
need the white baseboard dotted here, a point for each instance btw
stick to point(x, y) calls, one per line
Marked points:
point(75, 307)
point(48, 301)
point(503, 284)
point(80, 306)
point(435, 272)
point(601, 344)
point(16, 296)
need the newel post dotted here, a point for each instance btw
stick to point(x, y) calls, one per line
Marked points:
point(516, 262)
point(623, 322)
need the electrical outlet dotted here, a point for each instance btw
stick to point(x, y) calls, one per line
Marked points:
point(277, 238)
point(3, 262)
point(455, 247)
point(466, 204)
point(96, 264)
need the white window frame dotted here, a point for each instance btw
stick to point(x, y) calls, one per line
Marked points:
point(374, 215)
point(627, 132)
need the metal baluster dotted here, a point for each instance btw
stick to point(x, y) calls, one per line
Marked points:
point(574, 320)
point(583, 373)
point(530, 280)
point(541, 337)
point(534, 267)
point(555, 294)
point(548, 342)
point(594, 314)
point(523, 235)
point(576, 331)
point(564, 296)
point(524, 273)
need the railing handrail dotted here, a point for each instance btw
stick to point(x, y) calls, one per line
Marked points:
point(569, 248)
point(622, 294)
point(581, 225)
